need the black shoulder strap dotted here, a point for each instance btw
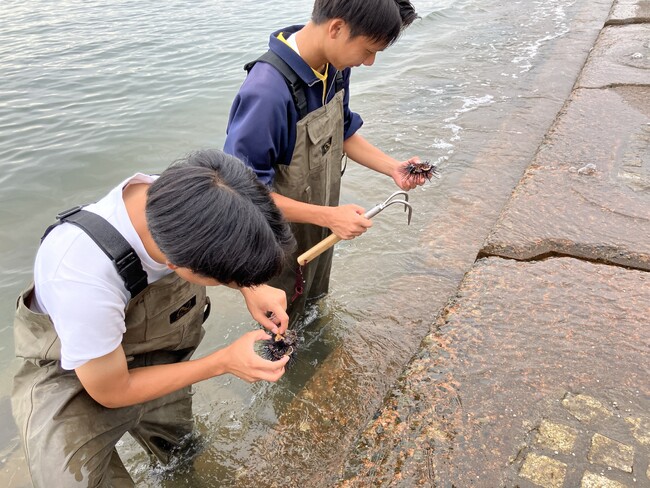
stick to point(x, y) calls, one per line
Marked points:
point(338, 81)
point(295, 84)
point(111, 242)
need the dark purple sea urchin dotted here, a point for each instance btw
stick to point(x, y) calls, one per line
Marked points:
point(424, 168)
point(281, 345)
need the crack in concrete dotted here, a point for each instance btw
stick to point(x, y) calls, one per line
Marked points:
point(552, 253)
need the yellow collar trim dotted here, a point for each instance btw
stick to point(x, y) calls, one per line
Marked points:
point(321, 76)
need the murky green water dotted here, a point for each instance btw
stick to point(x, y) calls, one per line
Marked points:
point(92, 93)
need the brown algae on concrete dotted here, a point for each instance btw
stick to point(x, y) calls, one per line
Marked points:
point(516, 338)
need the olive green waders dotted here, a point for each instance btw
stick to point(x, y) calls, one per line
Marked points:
point(68, 438)
point(313, 176)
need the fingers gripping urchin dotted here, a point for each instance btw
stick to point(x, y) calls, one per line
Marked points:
point(424, 168)
point(281, 345)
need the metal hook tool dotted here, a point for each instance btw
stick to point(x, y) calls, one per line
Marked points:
point(332, 239)
point(389, 201)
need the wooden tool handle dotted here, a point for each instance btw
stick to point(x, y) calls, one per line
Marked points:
point(318, 249)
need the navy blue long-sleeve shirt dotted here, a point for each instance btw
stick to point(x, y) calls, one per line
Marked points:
point(262, 124)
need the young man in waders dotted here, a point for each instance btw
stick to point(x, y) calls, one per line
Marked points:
point(291, 123)
point(107, 329)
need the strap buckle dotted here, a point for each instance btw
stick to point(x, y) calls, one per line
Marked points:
point(67, 213)
point(129, 268)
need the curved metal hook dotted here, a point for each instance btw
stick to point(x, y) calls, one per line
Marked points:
point(407, 207)
point(399, 192)
point(389, 201)
point(332, 239)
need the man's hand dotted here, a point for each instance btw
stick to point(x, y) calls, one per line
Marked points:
point(109, 382)
point(402, 178)
point(268, 306)
point(241, 359)
point(347, 221)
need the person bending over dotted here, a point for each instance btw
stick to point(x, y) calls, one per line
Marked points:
point(107, 329)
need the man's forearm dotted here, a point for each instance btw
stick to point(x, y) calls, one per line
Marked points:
point(363, 152)
point(111, 384)
point(152, 382)
point(302, 213)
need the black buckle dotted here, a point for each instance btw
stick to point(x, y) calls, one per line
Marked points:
point(67, 213)
point(127, 260)
point(130, 269)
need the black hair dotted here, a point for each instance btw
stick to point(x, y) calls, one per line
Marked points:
point(406, 12)
point(379, 20)
point(209, 213)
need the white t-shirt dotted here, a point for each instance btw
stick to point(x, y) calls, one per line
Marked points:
point(291, 40)
point(77, 285)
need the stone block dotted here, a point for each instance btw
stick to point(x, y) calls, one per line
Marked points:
point(557, 437)
point(629, 12)
point(592, 480)
point(611, 453)
point(584, 199)
point(585, 408)
point(621, 56)
point(543, 471)
point(640, 429)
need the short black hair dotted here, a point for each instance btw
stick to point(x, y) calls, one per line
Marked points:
point(379, 20)
point(209, 213)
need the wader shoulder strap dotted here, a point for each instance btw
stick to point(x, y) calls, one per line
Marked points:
point(111, 242)
point(338, 81)
point(294, 82)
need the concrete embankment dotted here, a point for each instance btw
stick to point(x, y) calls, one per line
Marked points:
point(537, 373)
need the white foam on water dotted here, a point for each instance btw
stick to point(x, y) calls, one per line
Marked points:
point(542, 12)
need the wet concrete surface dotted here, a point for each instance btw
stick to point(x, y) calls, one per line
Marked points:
point(309, 427)
point(629, 12)
point(537, 372)
point(584, 198)
point(312, 441)
point(621, 56)
point(587, 192)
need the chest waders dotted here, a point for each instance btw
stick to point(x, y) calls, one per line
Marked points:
point(68, 438)
point(312, 176)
